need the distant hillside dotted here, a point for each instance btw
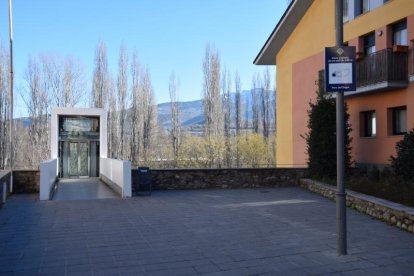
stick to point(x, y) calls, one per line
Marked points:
point(192, 113)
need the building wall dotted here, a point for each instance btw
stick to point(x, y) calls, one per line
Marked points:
point(308, 39)
point(304, 88)
point(378, 149)
point(299, 61)
point(390, 12)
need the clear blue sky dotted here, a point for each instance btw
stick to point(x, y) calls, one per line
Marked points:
point(169, 35)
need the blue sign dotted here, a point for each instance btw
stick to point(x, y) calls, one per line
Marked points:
point(340, 69)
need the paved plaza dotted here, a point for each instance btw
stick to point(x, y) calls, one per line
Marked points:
point(281, 231)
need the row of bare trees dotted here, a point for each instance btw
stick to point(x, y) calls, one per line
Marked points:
point(223, 114)
point(229, 138)
point(236, 131)
point(51, 81)
point(131, 107)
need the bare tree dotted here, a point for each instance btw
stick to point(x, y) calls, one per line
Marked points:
point(273, 109)
point(21, 142)
point(237, 115)
point(37, 102)
point(265, 103)
point(211, 92)
point(64, 80)
point(52, 72)
point(237, 104)
point(213, 126)
point(246, 114)
point(113, 141)
point(256, 86)
point(175, 132)
point(226, 88)
point(4, 105)
point(100, 77)
point(122, 86)
point(143, 114)
point(50, 81)
point(135, 113)
point(74, 84)
point(149, 115)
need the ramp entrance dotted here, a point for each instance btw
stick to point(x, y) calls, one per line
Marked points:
point(78, 146)
point(83, 189)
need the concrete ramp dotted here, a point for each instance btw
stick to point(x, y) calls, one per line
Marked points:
point(83, 189)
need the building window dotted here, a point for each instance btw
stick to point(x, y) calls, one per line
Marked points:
point(345, 10)
point(365, 6)
point(399, 120)
point(369, 44)
point(399, 33)
point(368, 123)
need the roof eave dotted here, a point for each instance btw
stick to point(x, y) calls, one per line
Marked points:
point(284, 28)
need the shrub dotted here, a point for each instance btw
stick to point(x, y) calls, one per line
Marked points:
point(321, 138)
point(253, 150)
point(387, 186)
point(403, 163)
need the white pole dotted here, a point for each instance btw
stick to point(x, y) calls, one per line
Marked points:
point(11, 93)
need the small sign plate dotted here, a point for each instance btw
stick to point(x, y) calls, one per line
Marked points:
point(340, 69)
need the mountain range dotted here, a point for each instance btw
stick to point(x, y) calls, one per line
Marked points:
point(191, 112)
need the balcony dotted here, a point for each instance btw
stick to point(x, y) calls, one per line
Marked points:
point(381, 71)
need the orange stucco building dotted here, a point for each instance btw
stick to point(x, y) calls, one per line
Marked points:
point(381, 109)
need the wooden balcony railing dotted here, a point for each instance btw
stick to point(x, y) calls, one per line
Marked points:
point(382, 66)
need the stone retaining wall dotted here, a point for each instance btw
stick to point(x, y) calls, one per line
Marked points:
point(164, 179)
point(390, 212)
point(26, 181)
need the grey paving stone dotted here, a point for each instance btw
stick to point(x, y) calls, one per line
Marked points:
point(79, 273)
point(217, 273)
point(79, 268)
point(173, 272)
point(229, 265)
point(211, 232)
point(206, 268)
point(155, 267)
point(56, 270)
point(220, 259)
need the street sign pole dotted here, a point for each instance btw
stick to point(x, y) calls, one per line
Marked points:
point(340, 148)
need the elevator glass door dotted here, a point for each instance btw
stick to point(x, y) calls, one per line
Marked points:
point(78, 159)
